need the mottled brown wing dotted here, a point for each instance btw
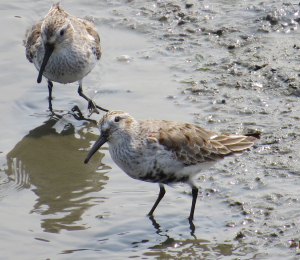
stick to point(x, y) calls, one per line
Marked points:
point(236, 144)
point(192, 144)
point(92, 31)
point(33, 35)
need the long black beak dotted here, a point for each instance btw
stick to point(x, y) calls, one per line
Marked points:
point(48, 51)
point(101, 141)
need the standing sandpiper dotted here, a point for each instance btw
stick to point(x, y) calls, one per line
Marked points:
point(64, 49)
point(163, 151)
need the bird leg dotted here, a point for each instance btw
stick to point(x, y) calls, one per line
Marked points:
point(92, 107)
point(155, 224)
point(192, 227)
point(50, 86)
point(161, 194)
point(195, 194)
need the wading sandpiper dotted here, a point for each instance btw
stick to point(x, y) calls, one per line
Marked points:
point(165, 152)
point(64, 49)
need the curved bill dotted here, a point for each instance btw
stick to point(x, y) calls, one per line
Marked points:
point(48, 51)
point(100, 141)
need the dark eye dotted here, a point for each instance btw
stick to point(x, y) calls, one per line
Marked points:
point(62, 32)
point(117, 119)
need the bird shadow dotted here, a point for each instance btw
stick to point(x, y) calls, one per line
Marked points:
point(159, 231)
point(49, 162)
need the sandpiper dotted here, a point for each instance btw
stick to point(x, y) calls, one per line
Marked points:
point(163, 151)
point(64, 49)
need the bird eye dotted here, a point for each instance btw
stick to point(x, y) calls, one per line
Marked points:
point(117, 119)
point(62, 32)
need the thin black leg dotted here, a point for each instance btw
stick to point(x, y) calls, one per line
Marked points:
point(92, 107)
point(155, 224)
point(161, 194)
point(50, 86)
point(192, 227)
point(195, 194)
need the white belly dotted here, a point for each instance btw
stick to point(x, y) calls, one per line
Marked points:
point(66, 66)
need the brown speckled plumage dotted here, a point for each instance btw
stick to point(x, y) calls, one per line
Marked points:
point(165, 151)
point(192, 144)
point(63, 48)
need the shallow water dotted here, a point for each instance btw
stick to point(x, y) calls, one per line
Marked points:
point(225, 65)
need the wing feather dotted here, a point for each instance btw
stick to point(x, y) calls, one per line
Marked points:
point(33, 35)
point(192, 144)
